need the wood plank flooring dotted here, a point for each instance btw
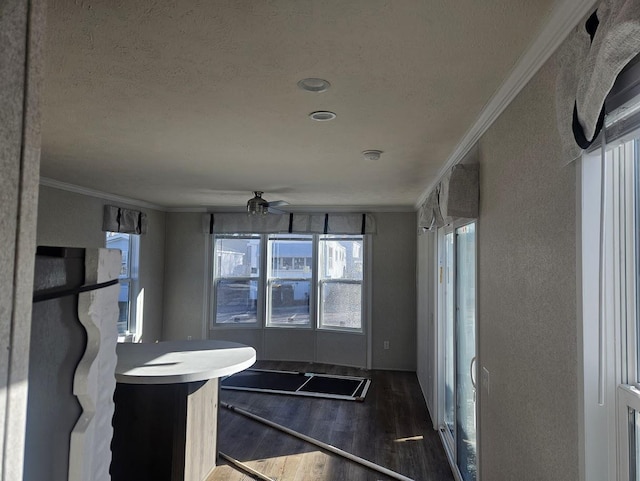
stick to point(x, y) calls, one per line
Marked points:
point(391, 428)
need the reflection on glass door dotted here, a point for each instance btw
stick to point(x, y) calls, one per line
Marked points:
point(457, 281)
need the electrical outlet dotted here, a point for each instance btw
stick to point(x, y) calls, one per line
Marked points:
point(485, 379)
point(385, 344)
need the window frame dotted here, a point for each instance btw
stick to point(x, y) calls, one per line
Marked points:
point(131, 333)
point(271, 238)
point(215, 280)
point(610, 342)
point(264, 279)
point(322, 281)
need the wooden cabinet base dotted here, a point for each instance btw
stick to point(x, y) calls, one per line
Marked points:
point(164, 432)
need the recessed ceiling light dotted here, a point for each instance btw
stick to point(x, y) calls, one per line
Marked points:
point(322, 115)
point(314, 85)
point(372, 154)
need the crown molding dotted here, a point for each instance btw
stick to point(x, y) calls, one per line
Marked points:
point(563, 19)
point(76, 189)
point(311, 209)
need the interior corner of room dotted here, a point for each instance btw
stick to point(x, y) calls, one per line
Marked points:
point(497, 284)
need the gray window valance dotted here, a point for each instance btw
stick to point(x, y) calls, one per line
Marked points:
point(590, 60)
point(455, 197)
point(127, 221)
point(459, 193)
point(241, 223)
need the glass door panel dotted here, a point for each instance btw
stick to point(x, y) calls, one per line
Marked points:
point(466, 351)
point(449, 334)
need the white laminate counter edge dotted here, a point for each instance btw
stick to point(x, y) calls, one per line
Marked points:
point(180, 361)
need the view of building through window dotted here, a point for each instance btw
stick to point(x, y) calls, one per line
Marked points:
point(236, 272)
point(302, 279)
point(290, 280)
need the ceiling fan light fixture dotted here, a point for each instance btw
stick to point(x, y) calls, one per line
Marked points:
point(322, 115)
point(313, 84)
point(257, 205)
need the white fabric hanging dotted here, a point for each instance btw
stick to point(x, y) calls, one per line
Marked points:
point(590, 60)
point(429, 216)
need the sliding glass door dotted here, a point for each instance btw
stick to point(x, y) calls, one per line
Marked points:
point(458, 321)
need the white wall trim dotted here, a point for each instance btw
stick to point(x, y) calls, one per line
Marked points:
point(304, 209)
point(562, 20)
point(76, 189)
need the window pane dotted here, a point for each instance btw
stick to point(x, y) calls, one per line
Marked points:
point(236, 301)
point(449, 330)
point(291, 258)
point(289, 303)
point(636, 184)
point(237, 257)
point(340, 257)
point(117, 240)
point(289, 284)
point(634, 444)
point(123, 305)
point(341, 305)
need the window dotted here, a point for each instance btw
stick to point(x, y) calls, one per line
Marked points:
point(128, 244)
point(288, 281)
point(340, 282)
point(610, 312)
point(237, 272)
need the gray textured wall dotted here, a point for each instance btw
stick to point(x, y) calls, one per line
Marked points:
point(394, 291)
point(527, 293)
point(185, 275)
point(22, 25)
point(393, 303)
point(75, 220)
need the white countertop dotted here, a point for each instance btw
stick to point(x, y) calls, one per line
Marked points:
point(180, 361)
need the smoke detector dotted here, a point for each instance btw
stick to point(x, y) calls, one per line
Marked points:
point(314, 84)
point(372, 154)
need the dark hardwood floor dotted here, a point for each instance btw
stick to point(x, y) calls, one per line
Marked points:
point(391, 428)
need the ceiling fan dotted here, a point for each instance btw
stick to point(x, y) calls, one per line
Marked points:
point(259, 206)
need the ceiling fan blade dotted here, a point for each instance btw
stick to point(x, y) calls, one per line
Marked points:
point(277, 203)
point(271, 210)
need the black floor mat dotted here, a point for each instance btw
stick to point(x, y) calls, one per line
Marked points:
point(300, 384)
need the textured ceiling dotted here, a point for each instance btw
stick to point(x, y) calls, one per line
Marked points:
point(195, 103)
